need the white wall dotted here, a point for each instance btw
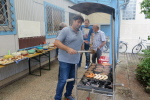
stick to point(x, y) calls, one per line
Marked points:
point(131, 30)
point(8, 42)
point(99, 18)
point(31, 10)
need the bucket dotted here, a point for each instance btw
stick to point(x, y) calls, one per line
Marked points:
point(103, 59)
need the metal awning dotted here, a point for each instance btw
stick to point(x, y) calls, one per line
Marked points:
point(88, 8)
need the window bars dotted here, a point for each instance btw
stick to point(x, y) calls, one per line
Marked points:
point(129, 13)
point(6, 16)
point(54, 17)
point(71, 15)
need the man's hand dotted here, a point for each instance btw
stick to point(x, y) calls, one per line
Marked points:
point(85, 41)
point(99, 48)
point(71, 51)
point(81, 53)
point(103, 43)
point(85, 36)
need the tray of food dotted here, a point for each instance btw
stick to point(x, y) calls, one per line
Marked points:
point(4, 61)
point(97, 77)
point(20, 57)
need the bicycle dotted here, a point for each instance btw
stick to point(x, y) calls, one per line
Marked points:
point(122, 46)
point(137, 48)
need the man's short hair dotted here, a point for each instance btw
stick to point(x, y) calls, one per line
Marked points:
point(97, 26)
point(78, 17)
point(62, 25)
point(87, 20)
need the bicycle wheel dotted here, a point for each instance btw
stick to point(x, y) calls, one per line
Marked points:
point(136, 49)
point(105, 48)
point(122, 47)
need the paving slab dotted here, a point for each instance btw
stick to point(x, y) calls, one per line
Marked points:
point(43, 87)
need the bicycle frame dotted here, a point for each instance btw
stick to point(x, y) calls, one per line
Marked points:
point(108, 43)
point(141, 43)
point(143, 46)
point(139, 46)
point(123, 42)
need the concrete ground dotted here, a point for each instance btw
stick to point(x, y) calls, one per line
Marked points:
point(43, 87)
point(125, 73)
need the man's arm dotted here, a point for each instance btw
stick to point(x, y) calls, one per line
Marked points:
point(60, 45)
point(103, 38)
point(103, 43)
point(90, 34)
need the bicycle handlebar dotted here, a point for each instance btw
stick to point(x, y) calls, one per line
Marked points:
point(144, 40)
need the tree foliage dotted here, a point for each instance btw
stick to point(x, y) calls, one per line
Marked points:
point(145, 8)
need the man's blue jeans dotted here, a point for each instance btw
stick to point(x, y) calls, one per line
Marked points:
point(66, 71)
point(87, 55)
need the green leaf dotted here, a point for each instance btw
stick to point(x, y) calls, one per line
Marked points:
point(145, 8)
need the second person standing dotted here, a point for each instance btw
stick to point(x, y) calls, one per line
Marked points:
point(87, 31)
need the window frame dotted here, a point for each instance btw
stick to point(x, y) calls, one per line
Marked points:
point(130, 8)
point(52, 34)
point(9, 28)
point(4, 14)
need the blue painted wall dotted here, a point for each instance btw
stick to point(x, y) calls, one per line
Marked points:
point(106, 29)
point(105, 2)
point(115, 4)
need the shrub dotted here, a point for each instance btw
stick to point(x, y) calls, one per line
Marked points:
point(143, 69)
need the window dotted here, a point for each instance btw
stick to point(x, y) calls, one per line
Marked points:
point(129, 12)
point(71, 15)
point(6, 16)
point(54, 16)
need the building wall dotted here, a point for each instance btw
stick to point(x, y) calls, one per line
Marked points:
point(8, 42)
point(99, 18)
point(131, 30)
point(31, 10)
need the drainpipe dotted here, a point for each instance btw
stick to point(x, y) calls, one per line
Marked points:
point(119, 8)
point(125, 3)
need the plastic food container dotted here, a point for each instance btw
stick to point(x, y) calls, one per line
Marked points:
point(23, 52)
point(16, 53)
point(45, 47)
point(8, 56)
point(31, 51)
point(39, 47)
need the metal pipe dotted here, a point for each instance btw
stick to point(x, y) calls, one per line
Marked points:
point(95, 91)
point(76, 81)
point(113, 55)
point(125, 3)
point(119, 7)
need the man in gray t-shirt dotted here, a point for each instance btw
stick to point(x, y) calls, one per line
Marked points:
point(69, 41)
point(61, 26)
